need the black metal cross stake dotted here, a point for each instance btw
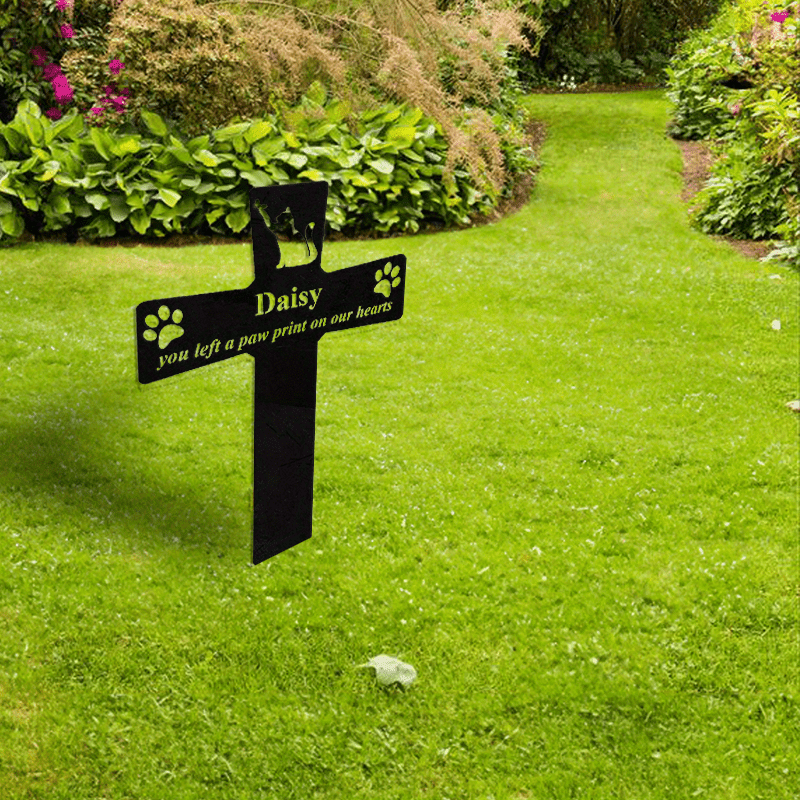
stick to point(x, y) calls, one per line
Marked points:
point(279, 320)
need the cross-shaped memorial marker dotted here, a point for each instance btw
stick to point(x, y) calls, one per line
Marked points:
point(278, 319)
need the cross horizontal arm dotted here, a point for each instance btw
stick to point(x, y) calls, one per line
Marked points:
point(297, 307)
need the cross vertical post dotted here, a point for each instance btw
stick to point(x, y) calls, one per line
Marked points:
point(278, 320)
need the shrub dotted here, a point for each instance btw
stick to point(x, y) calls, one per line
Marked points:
point(24, 24)
point(28, 23)
point(736, 44)
point(387, 174)
point(740, 198)
point(617, 41)
point(788, 250)
point(181, 61)
point(755, 180)
point(702, 107)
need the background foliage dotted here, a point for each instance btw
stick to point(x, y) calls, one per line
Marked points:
point(202, 66)
point(754, 190)
point(611, 41)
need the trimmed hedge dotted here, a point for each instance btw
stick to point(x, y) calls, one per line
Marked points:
point(387, 174)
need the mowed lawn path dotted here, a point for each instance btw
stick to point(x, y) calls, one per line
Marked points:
point(563, 487)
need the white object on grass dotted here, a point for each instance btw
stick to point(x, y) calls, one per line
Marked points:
point(389, 670)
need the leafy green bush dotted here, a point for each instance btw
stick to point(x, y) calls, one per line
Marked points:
point(617, 41)
point(387, 175)
point(702, 107)
point(788, 250)
point(606, 66)
point(24, 24)
point(740, 197)
point(755, 180)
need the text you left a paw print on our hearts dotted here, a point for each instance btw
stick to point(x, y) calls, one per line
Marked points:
point(168, 332)
point(386, 278)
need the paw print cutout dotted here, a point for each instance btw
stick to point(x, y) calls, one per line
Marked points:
point(386, 278)
point(169, 332)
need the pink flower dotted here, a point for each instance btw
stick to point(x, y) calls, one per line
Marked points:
point(39, 55)
point(62, 89)
point(53, 113)
point(779, 16)
point(737, 107)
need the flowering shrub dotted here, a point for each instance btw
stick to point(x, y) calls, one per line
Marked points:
point(21, 28)
point(755, 184)
point(37, 39)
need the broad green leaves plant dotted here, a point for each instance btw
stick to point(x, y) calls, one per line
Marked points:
point(702, 107)
point(386, 174)
point(745, 196)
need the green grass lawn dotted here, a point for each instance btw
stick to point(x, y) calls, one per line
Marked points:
point(563, 487)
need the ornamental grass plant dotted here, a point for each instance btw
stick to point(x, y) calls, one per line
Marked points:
point(458, 66)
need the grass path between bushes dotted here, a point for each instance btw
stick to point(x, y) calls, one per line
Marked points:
point(563, 487)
